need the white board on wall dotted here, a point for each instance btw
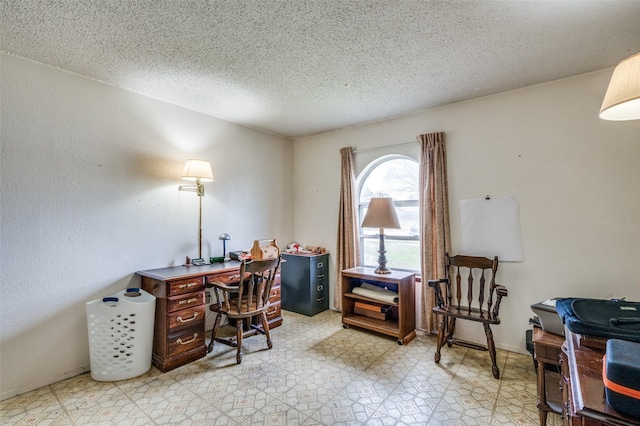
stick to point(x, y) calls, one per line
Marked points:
point(491, 227)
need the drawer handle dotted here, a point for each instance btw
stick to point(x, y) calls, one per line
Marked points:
point(192, 300)
point(320, 300)
point(321, 276)
point(195, 336)
point(272, 312)
point(195, 315)
point(181, 286)
point(234, 277)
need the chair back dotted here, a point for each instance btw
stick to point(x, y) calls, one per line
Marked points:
point(253, 294)
point(473, 291)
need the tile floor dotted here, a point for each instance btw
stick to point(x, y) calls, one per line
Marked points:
point(316, 374)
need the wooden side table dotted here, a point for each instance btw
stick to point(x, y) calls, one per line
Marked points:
point(547, 348)
point(401, 321)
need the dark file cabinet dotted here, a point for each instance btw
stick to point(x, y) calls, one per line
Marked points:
point(305, 283)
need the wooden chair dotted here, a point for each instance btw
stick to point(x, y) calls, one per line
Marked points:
point(452, 307)
point(242, 302)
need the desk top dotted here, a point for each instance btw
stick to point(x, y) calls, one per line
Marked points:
point(177, 272)
point(546, 338)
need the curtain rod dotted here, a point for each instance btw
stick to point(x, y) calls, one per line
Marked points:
point(383, 147)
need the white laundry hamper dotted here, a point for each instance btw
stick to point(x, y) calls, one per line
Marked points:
point(121, 334)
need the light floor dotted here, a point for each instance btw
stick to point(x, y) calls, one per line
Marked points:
point(316, 374)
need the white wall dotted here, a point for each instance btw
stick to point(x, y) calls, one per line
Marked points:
point(574, 176)
point(89, 195)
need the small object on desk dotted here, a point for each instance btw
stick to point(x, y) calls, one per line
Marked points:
point(187, 261)
point(198, 262)
point(220, 259)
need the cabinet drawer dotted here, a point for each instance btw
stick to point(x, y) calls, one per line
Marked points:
point(186, 286)
point(185, 341)
point(186, 318)
point(185, 301)
point(273, 311)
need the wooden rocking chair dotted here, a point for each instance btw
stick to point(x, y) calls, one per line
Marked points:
point(451, 307)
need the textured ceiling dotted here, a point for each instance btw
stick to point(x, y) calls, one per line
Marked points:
point(302, 67)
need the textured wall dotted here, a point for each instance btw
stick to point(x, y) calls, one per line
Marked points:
point(574, 176)
point(90, 177)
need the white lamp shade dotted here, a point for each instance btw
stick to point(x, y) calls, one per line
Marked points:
point(622, 100)
point(197, 169)
point(381, 213)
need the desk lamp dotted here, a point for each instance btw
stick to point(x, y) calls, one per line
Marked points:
point(381, 213)
point(198, 171)
point(224, 238)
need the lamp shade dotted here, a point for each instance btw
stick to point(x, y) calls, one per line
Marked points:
point(197, 169)
point(622, 100)
point(381, 213)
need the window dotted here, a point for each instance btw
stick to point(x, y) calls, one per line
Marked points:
point(394, 176)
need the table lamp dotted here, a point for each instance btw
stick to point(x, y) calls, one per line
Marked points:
point(381, 214)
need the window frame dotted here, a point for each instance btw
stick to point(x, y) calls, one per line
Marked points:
point(362, 177)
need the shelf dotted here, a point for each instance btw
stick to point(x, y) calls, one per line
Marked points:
point(368, 299)
point(389, 327)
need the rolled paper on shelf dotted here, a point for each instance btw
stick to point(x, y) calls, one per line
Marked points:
point(376, 293)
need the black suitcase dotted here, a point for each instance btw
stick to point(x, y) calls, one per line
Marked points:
point(608, 319)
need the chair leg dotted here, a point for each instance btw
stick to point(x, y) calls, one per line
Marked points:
point(451, 326)
point(265, 328)
point(440, 340)
point(214, 332)
point(492, 351)
point(239, 333)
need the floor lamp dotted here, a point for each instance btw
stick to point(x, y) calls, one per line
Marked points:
point(622, 100)
point(381, 213)
point(198, 171)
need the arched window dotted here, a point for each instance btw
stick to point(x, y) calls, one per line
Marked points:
point(395, 176)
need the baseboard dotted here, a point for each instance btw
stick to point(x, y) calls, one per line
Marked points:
point(43, 382)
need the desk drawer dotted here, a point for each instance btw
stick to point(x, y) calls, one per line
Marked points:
point(274, 296)
point(186, 286)
point(186, 318)
point(185, 341)
point(273, 311)
point(548, 353)
point(185, 301)
point(226, 278)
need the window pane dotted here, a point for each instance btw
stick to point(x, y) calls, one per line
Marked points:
point(400, 254)
point(394, 177)
point(407, 216)
point(397, 178)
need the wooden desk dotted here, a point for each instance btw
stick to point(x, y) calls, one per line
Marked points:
point(547, 348)
point(583, 390)
point(179, 328)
